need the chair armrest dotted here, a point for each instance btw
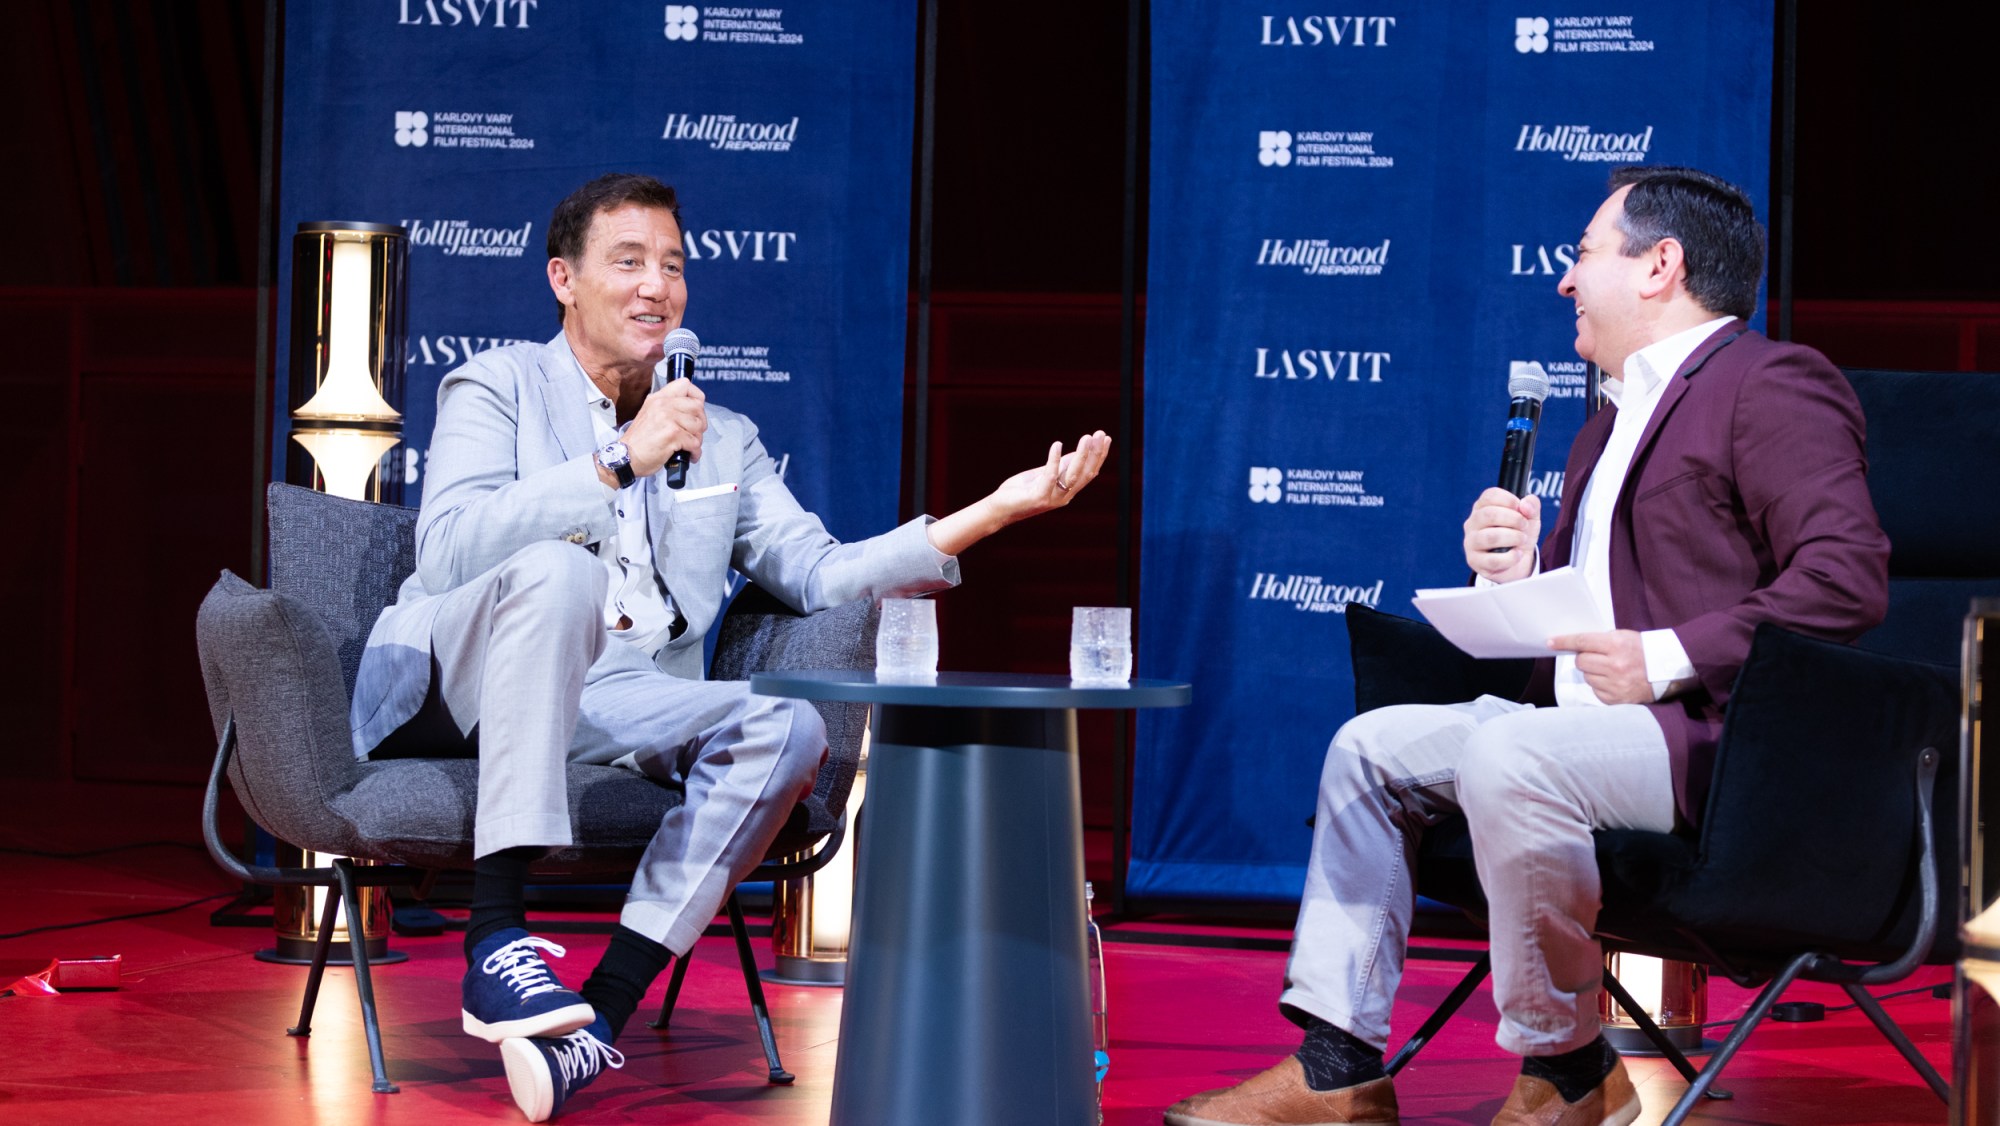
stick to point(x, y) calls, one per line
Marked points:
point(1814, 787)
point(1403, 661)
point(761, 634)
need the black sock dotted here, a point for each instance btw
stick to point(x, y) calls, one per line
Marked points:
point(1574, 1074)
point(499, 882)
point(1334, 1058)
point(631, 963)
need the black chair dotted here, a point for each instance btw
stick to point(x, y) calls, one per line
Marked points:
point(279, 666)
point(1819, 854)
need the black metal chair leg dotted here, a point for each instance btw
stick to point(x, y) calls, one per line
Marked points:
point(1868, 1004)
point(364, 984)
point(1719, 1059)
point(1667, 1048)
point(322, 946)
point(673, 991)
point(1441, 1014)
point(755, 986)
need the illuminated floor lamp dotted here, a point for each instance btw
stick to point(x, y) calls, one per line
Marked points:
point(1673, 994)
point(349, 339)
point(349, 334)
point(812, 916)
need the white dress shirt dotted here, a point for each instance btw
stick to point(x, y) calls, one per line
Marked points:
point(637, 597)
point(1636, 395)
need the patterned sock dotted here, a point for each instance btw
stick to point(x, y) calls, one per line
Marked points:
point(499, 883)
point(1575, 1074)
point(1334, 1058)
point(630, 965)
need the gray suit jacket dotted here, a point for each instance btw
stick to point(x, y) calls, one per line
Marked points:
point(510, 465)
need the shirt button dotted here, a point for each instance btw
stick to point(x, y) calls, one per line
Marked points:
point(622, 559)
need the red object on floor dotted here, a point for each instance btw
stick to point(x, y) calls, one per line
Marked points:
point(196, 1033)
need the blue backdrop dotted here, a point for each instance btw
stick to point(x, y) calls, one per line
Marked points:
point(1357, 226)
point(787, 132)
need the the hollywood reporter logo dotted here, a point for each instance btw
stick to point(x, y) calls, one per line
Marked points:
point(1313, 594)
point(683, 23)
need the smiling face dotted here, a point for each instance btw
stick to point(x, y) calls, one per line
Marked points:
point(1607, 288)
point(625, 292)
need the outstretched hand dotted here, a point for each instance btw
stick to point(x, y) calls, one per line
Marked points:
point(1030, 492)
point(1054, 483)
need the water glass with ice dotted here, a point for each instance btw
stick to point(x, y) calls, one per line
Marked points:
point(1100, 645)
point(906, 643)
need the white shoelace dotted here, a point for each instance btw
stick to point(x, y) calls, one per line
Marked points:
point(524, 969)
point(581, 1055)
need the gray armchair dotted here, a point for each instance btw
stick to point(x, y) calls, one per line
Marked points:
point(279, 666)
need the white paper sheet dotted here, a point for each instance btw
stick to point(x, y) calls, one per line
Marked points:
point(1514, 619)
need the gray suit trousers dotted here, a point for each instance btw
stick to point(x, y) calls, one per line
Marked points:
point(1532, 783)
point(523, 653)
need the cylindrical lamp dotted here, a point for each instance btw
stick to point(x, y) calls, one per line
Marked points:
point(812, 916)
point(295, 915)
point(350, 335)
point(1673, 994)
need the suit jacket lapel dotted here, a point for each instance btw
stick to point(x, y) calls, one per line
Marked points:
point(562, 404)
point(1677, 386)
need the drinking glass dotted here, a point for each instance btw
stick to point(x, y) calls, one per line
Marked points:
point(1100, 645)
point(906, 643)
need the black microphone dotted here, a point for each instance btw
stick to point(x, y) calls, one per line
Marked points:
point(682, 347)
point(1528, 386)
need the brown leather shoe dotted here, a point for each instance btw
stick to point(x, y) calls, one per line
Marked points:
point(1536, 1102)
point(1280, 1097)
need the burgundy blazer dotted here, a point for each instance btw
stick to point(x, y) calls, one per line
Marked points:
point(1747, 502)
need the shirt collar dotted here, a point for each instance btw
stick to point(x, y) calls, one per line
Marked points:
point(1649, 367)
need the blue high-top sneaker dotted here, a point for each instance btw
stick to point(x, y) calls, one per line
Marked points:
point(543, 1072)
point(509, 991)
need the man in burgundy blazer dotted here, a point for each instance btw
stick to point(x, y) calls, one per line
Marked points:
point(1725, 488)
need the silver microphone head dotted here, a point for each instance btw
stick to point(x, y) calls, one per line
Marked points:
point(1525, 380)
point(682, 341)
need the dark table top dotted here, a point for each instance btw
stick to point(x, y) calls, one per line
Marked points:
point(970, 690)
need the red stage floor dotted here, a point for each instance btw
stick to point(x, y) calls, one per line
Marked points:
point(196, 1033)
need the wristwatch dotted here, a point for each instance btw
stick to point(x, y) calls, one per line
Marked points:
point(615, 457)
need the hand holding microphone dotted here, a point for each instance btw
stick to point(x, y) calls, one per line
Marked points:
point(1505, 517)
point(667, 431)
point(682, 348)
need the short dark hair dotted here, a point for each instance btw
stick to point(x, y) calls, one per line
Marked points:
point(569, 227)
point(1714, 221)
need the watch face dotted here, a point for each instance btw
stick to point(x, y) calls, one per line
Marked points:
point(615, 454)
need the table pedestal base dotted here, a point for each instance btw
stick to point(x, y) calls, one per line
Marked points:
point(966, 999)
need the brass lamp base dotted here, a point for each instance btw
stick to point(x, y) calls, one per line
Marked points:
point(293, 950)
point(790, 970)
point(1630, 1041)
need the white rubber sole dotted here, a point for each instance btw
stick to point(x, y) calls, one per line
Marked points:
point(555, 1022)
point(528, 1079)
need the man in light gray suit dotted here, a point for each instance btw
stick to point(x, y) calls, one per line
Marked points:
point(558, 609)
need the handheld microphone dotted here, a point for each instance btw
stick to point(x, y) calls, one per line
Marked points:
point(1526, 387)
point(682, 348)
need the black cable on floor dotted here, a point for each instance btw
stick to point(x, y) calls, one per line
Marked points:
point(119, 918)
point(1831, 1009)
